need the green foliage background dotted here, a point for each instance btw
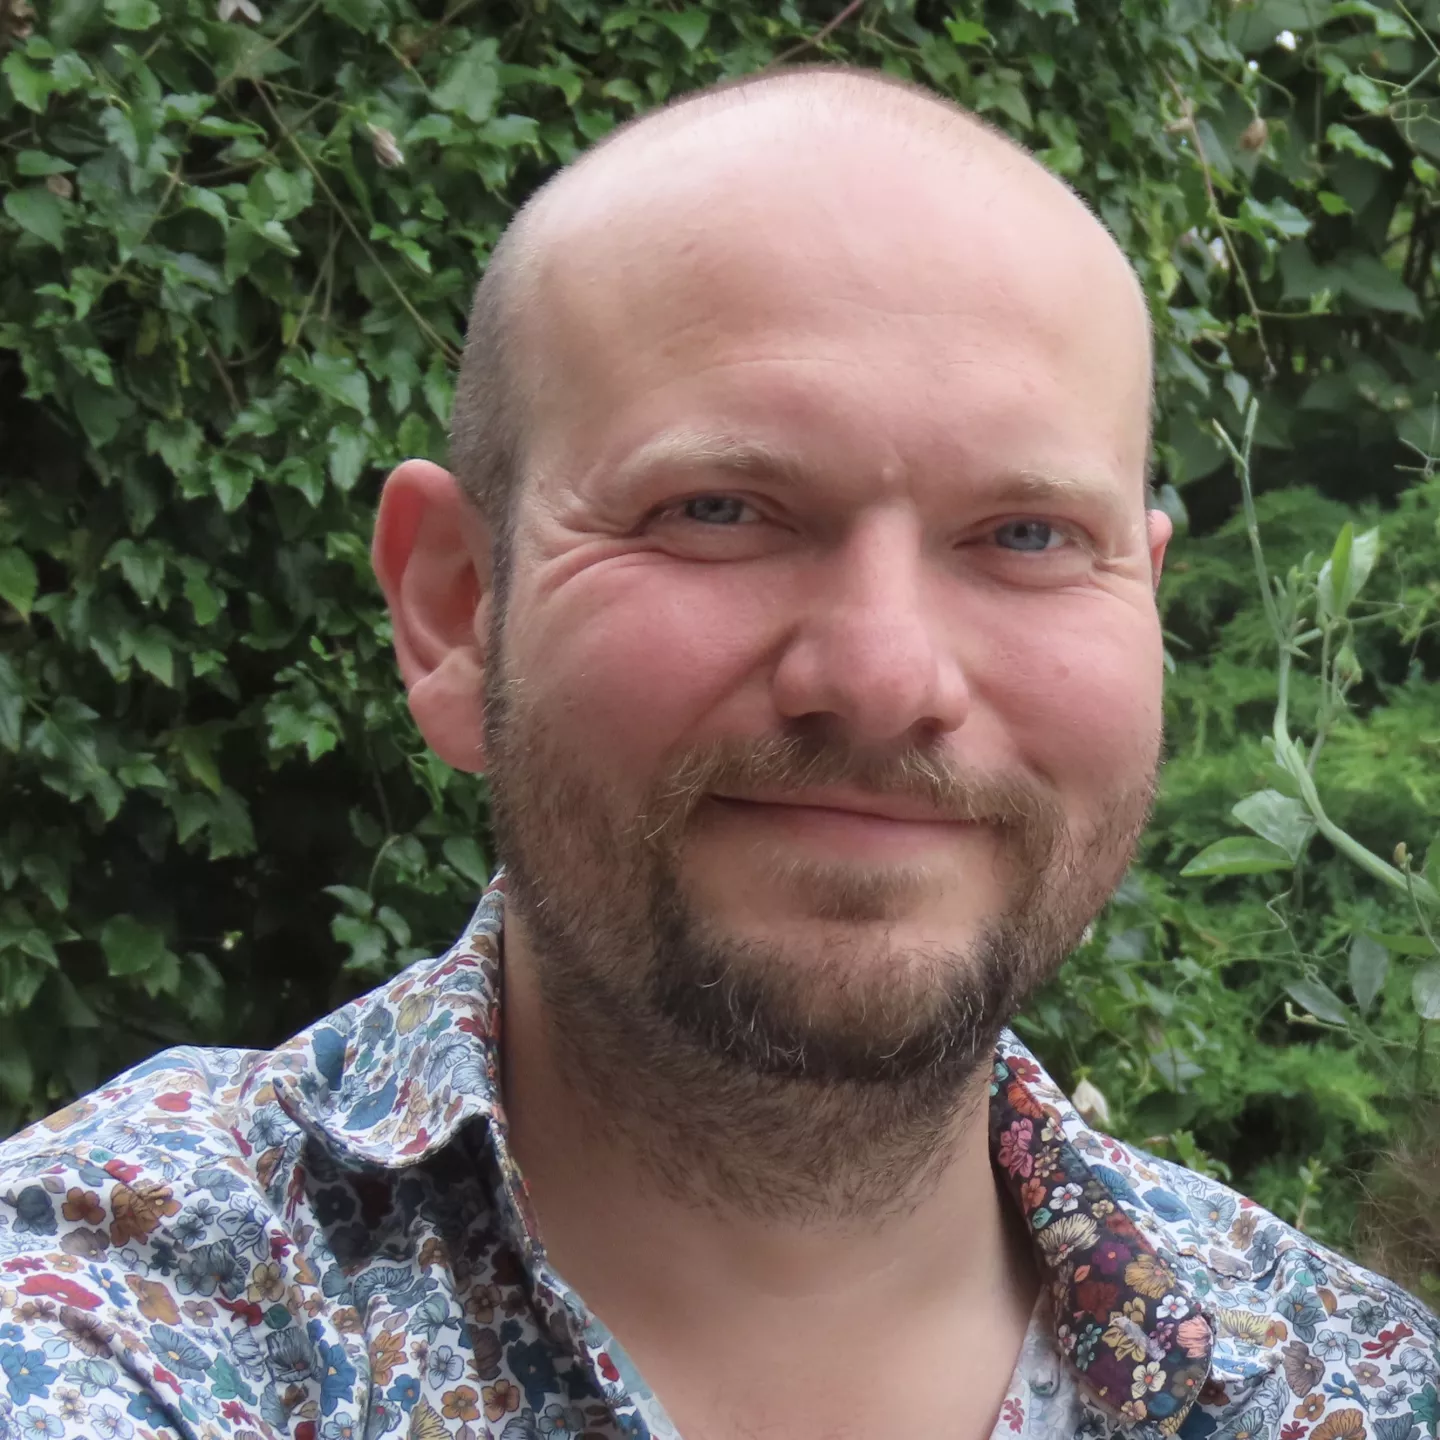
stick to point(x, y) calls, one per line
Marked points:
point(237, 244)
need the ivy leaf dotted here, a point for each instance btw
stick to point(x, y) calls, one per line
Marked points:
point(1342, 137)
point(1320, 1000)
point(348, 449)
point(1425, 990)
point(1364, 91)
point(35, 209)
point(468, 858)
point(132, 948)
point(971, 32)
point(1369, 965)
point(37, 162)
point(133, 14)
point(12, 706)
point(232, 479)
point(30, 85)
point(1237, 855)
point(471, 82)
point(18, 580)
point(1368, 281)
point(337, 376)
point(688, 26)
point(1277, 217)
point(151, 648)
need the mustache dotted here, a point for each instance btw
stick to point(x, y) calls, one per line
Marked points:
point(809, 762)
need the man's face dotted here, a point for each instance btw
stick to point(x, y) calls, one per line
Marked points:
point(824, 706)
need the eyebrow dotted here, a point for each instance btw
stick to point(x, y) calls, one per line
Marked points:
point(699, 450)
point(707, 450)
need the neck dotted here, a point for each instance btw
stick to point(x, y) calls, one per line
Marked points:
point(751, 1187)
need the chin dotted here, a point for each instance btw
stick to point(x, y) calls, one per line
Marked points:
point(794, 898)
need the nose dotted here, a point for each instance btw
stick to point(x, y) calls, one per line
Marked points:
point(869, 656)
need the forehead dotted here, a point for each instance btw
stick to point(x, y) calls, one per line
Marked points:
point(861, 272)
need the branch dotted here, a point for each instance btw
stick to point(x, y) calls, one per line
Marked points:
point(812, 40)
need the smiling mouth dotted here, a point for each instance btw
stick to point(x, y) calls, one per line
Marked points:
point(838, 812)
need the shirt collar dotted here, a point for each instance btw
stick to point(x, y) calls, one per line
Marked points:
point(394, 1077)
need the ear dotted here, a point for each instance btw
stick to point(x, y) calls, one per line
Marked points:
point(431, 554)
point(1159, 530)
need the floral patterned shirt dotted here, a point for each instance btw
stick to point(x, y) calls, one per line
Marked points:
point(330, 1241)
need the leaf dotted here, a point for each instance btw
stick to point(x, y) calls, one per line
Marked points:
point(35, 209)
point(1404, 944)
point(232, 480)
point(1050, 7)
point(470, 84)
point(1425, 990)
point(37, 162)
point(152, 649)
point(357, 902)
point(1431, 869)
point(337, 376)
point(132, 948)
point(1237, 855)
point(688, 26)
point(348, 449)
point(1369, 964)
point(1344, 574)
point(18, 579)
point(468, 858)
point(133, 14)
point(1320, 1000)
point(1368, 95)
point(1342, 137)
point(1279, 217)
point(12, 706)
point(30, 85)
point(971, 32)
point(143, 567)
point(1368, 281)
point(1277, 818)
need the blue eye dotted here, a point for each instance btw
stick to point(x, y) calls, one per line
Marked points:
point(715, 509)
point(1028, 535)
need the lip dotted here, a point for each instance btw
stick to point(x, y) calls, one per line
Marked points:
point(865, 807)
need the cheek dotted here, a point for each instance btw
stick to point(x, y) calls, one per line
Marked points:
point(632, 663)
point(1076, 685)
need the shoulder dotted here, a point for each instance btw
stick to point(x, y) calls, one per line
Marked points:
point(1309, 1345)
point(162, 1144)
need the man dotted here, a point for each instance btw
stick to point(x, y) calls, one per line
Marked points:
point(795, 591)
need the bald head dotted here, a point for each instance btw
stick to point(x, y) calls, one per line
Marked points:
point(824, 150)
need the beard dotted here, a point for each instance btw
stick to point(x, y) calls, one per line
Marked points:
point(810, 1081)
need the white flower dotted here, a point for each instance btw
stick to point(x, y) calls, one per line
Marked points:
point(1147, 1377)
point(1172, 1307)
point(228, 9)
point(1286, 39)
point(1065, 1198)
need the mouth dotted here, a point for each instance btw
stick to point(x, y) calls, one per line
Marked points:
point(886, 809)
point(865, 831)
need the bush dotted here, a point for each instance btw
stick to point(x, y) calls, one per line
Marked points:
point(237, 244)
